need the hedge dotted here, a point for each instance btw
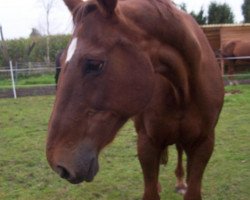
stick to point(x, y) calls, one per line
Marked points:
point(18, 49)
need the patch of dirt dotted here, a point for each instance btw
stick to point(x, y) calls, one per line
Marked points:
point(50, 90)
point(32, 91)
point(232, 92)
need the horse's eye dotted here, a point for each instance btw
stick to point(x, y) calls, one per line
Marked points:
point(93, 66)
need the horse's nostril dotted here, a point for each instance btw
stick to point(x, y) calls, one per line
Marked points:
point(63, 172)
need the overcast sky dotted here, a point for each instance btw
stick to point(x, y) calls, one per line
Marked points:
point(18, 17)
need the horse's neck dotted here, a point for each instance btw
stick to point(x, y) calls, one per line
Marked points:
point(171, 39)
point(163, 22)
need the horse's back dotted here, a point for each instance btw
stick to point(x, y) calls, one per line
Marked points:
point(242, 48)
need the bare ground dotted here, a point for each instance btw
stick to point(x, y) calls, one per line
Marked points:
point(32, 91)
point(50, 90)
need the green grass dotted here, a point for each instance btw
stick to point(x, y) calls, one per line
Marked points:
point(25, 174)
point(24, 81)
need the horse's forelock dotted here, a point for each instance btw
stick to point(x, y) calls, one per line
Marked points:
point(82, 10)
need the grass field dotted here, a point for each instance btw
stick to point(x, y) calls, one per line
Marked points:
point(25, 174)
point(24, 81)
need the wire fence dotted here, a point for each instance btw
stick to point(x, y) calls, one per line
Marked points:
point(233, 72)
point(27, 69)
point(23, 79)
point(30, 75)
point(234, 58)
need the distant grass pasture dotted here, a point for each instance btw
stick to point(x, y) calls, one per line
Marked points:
point(27, 81)
point(25, 174)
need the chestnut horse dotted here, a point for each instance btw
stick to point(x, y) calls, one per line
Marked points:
point(139, 59)
point(234, 48)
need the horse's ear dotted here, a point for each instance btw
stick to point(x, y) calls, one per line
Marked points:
point(108, 6)
point(72, 4)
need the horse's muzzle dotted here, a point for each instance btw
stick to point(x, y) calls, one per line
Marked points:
point(75, 166)
point(86, 172)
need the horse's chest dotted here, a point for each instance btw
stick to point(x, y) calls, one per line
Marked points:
point(164, 128)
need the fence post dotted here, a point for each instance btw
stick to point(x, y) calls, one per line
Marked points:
point(16, 72)
point(12, 79)
point(222, 66)
point(29, 65)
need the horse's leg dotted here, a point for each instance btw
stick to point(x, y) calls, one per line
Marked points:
point(181, 185)
point(231, 72)
point(198, 156)
point(149, 157)
point(235, 82)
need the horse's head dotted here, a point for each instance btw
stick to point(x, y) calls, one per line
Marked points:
point(105, 79)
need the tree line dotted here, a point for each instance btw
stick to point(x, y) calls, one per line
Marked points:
point(35, 48)
point(219, 13)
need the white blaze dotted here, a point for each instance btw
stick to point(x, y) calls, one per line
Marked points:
point(71, 49)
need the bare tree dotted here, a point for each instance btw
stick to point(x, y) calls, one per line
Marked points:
point(3, 46)
point(48, 6)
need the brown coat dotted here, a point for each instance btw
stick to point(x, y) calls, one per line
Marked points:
point(139, 59)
